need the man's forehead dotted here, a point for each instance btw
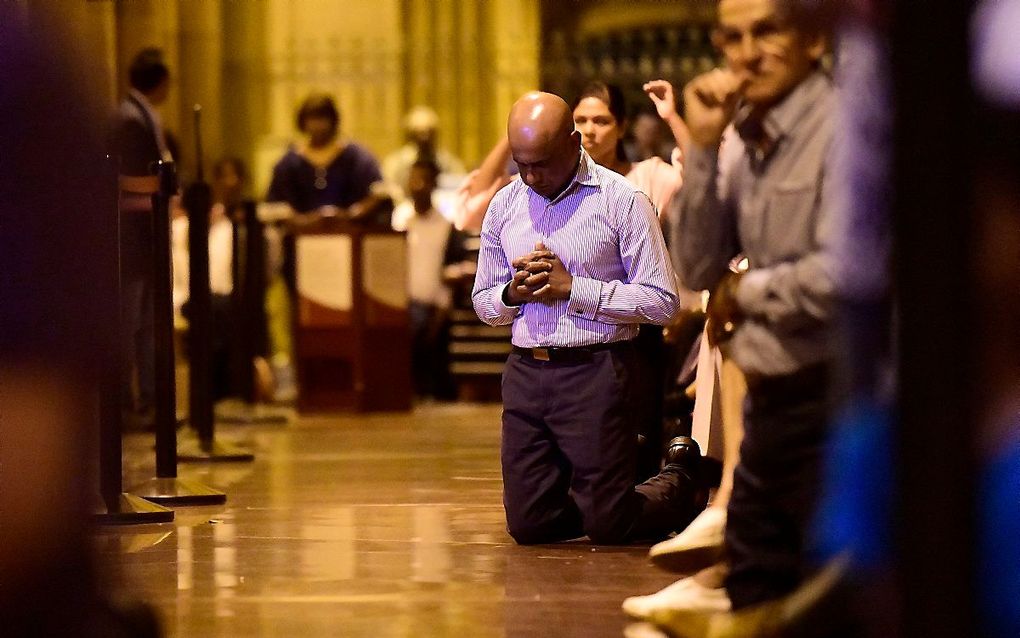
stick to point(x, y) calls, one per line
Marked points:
point(529, 147)
point(740, 13)
point(529, 155)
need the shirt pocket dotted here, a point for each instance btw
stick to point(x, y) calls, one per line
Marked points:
point(790, 220)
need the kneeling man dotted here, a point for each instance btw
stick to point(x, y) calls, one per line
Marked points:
point(572, 255)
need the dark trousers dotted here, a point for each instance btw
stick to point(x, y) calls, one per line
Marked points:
point(222, 339)
point(430, 345)
point(776, 485)
point(650, 345)
point(569, 451)
point(137, 333)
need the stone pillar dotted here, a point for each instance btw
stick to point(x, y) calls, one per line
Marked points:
point(512, 32)
point(350, 48)
point(244, 82)
point(469, 60)
point(199, 81)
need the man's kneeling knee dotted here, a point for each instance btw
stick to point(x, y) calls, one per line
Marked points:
point(532, 534)
point(607, 533)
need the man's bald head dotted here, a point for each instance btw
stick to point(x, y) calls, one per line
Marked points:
point(539, 118)
point(543, 142)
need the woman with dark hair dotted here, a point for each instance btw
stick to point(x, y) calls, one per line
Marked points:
point(601, 117)
point(324, 174)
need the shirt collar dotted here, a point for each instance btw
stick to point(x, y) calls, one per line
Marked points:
point(781, 118)
point(583, 176)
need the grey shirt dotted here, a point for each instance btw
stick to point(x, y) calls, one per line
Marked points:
point(773, 207)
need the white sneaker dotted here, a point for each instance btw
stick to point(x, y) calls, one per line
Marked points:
point(800, 613)
point(643, 630)
point(700, 544)
point(683, 595)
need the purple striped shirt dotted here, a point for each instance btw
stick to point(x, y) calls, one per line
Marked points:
point(606, 233)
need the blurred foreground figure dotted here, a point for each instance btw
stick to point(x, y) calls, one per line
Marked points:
point(52, 335)
point(764, 192)
point(996, 75)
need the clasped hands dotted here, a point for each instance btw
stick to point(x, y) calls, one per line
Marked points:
point(540, 276)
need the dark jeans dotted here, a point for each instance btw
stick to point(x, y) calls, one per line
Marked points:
point(137, 334)
point(430, 344)
point(776, 485)
point(222, 339)
point(569, 451)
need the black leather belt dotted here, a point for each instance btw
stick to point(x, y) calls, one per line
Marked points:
point(576, 354)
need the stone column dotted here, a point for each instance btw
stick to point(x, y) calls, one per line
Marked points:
point(200, 80)
point(244, 80)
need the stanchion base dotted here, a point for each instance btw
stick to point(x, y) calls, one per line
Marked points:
point(191, 451)
point(238, 412)
point(177, 491)
point(134, 510)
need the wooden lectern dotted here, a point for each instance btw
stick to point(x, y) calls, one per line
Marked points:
point(352, 338)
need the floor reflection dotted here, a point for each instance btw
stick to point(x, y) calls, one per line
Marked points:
point(381, 526)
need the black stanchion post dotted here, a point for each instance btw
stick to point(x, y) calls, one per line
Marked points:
point(162, 293)
point(121, 508)
point(198, 202)
point(166, 487)
point(249, 294)
point(248, 306)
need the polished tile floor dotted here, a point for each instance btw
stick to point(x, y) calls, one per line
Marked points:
point(383, 525)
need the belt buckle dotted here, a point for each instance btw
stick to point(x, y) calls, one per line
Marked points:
point(540, 354)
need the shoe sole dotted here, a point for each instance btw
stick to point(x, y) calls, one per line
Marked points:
point(799, 615)
point(637, 614)
point(643, 630)
point(689, 560)
point(683, 624)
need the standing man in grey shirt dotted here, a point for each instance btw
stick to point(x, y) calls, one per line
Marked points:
point(755, 183)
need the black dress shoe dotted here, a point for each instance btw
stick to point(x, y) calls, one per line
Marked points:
point(675, 492)
point(683, 456)
point(684, 452)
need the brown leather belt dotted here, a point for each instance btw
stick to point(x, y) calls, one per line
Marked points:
point(578, 354)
